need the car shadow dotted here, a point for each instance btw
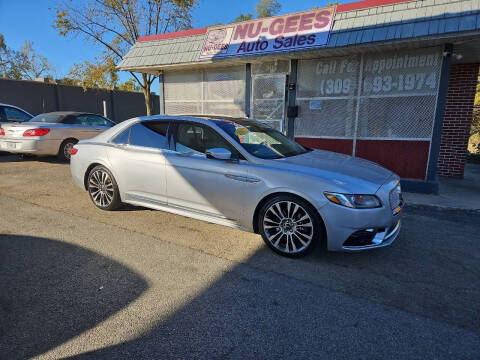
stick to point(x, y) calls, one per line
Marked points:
point(52, 291)
point(395, 303)
point(7, 157)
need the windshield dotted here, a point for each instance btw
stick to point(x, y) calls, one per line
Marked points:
point(47, 118)
point(260, 140)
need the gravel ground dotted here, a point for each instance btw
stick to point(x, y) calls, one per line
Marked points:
point(136, 283)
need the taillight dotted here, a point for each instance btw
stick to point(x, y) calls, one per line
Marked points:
point(36, 132)
point(2, 132)
point(74, 151)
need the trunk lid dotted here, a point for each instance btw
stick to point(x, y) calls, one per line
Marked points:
point(16, 130)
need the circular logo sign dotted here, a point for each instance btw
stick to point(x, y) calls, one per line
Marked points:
point(216, 36)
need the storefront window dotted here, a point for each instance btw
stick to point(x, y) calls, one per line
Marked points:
point(326, 96)
point(396, 99)
point(216, 91)
point(399, 94)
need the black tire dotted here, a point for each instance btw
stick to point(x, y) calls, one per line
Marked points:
point(65, 149)
point(102, 189)
point(293, 237)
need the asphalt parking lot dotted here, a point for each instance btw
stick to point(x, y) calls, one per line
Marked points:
point(78, 282)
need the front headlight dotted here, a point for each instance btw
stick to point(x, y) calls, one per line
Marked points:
point(354, 201)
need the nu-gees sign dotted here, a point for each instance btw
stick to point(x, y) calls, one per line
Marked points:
point(297, 31)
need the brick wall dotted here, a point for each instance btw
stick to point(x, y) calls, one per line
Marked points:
point(457, 120)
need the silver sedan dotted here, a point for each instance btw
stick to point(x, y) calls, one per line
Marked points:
point(52, 133)
point(240, 173)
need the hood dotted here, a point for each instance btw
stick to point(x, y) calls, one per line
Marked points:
point(344, 169)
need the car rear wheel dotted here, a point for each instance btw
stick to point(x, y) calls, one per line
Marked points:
point(289, 225)
point(65, 151)
point(103, 189)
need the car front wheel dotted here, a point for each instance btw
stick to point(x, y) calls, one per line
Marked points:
point(289, 225)
point(103, 189)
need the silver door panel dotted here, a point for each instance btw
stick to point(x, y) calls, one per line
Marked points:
point(140, 171)
point(205, 185)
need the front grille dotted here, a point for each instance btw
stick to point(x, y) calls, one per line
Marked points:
point(395, 197)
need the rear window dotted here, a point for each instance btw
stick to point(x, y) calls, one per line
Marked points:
point(47, 118)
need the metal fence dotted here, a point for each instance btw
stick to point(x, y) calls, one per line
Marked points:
point(38, 97)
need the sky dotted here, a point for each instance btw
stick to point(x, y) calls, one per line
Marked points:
point(32, 20)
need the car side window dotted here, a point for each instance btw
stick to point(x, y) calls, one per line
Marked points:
point(15, 114)
point(151, 135)
point(122, 138)
point(83, 120)
point(199, 138)
point(95, 120)
point(71, 119)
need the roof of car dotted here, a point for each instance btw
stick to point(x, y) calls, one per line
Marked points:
point(66, 113)
point(16, 107)
point(216, 117)
point(190, 118)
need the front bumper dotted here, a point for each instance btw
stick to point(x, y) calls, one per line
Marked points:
point(35, 146)
point(381, 239)
point(342, 224)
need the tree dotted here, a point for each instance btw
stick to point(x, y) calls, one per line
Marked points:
point(3, 54)
point(243, 17)
point(2, 43)
point(117, 24)
point(129, 85)
point(266, 8)
point(328, 4)
point(101, 73)
point(474, 142)
point(23, 64)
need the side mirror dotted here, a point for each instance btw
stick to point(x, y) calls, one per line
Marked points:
point(218, 153)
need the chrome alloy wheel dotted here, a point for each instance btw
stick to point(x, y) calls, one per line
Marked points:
point(288, 227)
point(67, 150)
point(101, 188)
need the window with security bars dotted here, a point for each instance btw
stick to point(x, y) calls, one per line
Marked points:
point(268, 99)
point(215, 91)
point(388, 95)
point(334, 118)
point(268, 92)
point(399, 94)
point(326, 96)
point(183, 92)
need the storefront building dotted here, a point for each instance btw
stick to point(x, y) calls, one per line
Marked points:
point(392, 81)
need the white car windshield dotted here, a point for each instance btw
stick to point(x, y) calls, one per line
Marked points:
point(261, 140)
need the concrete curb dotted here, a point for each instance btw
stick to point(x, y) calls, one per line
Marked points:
point(441, 208)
